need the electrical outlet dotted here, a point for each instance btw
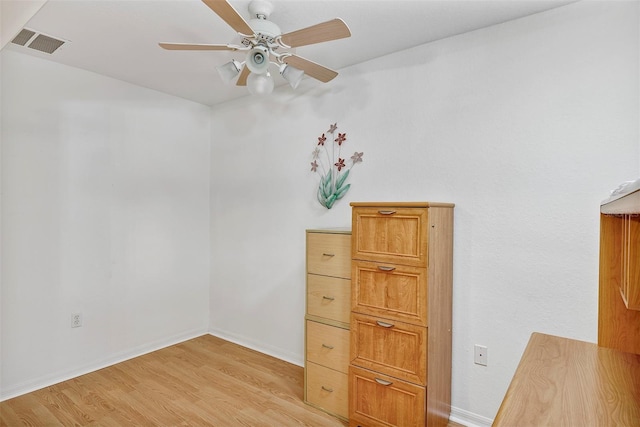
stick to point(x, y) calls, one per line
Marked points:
point(76, 320)
point(480, 355)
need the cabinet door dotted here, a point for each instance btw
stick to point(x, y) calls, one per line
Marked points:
point(328, 389)
point(393, 235)
point(378, 400)
point(329, 254)
point(328, 346)
point(391, 291)
point(392, 348)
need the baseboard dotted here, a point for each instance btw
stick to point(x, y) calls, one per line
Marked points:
point(469, 419)
point(460, 416)
point(261, 347)
point(57, 377)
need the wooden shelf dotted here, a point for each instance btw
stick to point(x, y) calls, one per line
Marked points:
point(619, 277)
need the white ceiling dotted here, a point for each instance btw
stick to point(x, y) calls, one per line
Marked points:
point(119, 38)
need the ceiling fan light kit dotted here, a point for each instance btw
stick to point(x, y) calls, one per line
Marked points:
point(291, 74)
point(260, 84)
point(263, 42)
point(229, 71)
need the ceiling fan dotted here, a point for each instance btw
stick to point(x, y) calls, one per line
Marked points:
point(266, 45)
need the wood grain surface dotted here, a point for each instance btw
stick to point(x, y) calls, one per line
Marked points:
point(564, 382)
point(205, 381)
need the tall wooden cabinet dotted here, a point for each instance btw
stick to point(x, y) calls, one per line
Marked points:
point(327, 320)
point(619, 292)
point(401, 296)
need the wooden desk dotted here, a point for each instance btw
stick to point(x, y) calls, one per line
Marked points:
point(564, 382)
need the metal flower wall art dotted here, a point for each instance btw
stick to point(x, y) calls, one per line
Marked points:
point(332, 168)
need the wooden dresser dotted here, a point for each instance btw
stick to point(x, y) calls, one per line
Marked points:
point(401, 293)
point(327, 320)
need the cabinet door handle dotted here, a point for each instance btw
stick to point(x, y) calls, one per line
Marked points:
point(386, 212)
point(383, 382)
point(329, 298)
point(330, 390)
point(384, 324)
point(326, 254)
point(385, 268)
point(330, 347)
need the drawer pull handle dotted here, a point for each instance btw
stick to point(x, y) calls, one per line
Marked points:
point(383, 382)
point(326, 254)
point(386, 212)
point(330, 347)
point(384, 324)
point(329, 298)
point(385, 268)
point(330, 390)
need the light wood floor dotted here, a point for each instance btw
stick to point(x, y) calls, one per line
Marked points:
point(205, 381)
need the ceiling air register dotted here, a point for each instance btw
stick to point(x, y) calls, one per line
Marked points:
point(37, 41)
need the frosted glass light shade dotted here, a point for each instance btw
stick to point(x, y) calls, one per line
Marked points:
point(260, 84)
point(229, 71)
point(291, 74)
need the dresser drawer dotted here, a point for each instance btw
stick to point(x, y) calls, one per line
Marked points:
point(381, 401)
point(328, 389)
point(393, 348)
point(329, 297)
point(392, 291)
point(388, 234)
point(329, 254)
point(328, 346)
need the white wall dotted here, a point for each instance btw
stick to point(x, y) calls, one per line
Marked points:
point(105, 211)
point(526, 126)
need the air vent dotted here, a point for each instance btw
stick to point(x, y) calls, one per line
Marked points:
point(45, 43)
point(23, 37)
point(40, 42)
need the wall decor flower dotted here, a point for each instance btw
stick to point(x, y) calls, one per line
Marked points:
point(331, 167)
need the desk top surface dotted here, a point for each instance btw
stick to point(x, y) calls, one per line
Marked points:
point(564, 382)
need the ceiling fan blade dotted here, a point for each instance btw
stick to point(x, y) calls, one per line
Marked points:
point(311, 69)
point(229, 15)
point(323, 32)
point(196, 46)
point(242, 80)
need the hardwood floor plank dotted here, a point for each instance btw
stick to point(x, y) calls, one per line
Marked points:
point(205, 381)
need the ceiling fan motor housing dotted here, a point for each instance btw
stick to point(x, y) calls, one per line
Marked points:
point(260, 9)
point(265, 28)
